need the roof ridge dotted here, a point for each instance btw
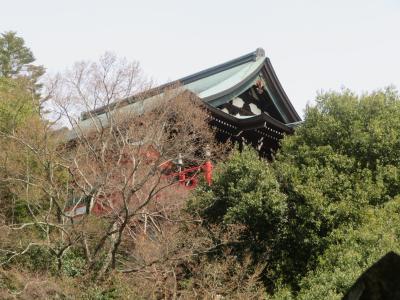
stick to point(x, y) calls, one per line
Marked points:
point(252, 56)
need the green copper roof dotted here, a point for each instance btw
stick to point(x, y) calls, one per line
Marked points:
point(215, 86)
point(225, 80)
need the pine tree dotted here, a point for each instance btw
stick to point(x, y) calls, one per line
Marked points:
point(14, 55)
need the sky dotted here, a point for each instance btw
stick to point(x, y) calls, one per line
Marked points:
point(314, 45)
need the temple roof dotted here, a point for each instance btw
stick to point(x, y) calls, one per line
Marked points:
point(218, 86)
point(221, 83)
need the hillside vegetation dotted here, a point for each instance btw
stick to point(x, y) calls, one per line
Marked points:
point(327, 207)
point(302, 226)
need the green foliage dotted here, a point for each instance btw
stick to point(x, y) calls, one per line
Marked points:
point(245, 191)
point(340, 162)
point(16, 62)
point(16, 103)
point(365, 127)
point(19, 116)
point(37, 258)
point(73, 263)
point(329, 200)
point(310, 222)
point(352, 251)
point(14, 55)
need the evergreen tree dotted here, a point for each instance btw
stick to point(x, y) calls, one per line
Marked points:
point(14, 55)
point(332, 181)
point(19, 78)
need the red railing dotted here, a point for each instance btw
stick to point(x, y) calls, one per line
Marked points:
point(189, 177)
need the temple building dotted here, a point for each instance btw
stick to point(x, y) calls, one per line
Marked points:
point(245, 99)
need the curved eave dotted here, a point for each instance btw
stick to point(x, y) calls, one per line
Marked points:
point(270, 75)
point(250, 57)
point(252, 122)
point(239, 82)
point(232, 86)
point(220, 84)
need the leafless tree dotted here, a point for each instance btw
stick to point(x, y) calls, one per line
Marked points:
point(113, 163)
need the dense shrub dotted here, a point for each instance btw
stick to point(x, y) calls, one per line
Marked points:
point(245, 191)
point(340, 163)
point(311, 208)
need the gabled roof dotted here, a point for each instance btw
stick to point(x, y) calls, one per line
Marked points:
point(222, 83)
point(219, 85)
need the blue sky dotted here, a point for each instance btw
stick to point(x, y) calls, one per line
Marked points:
point(313, 45)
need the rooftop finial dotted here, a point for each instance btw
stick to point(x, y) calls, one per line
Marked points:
point(260, 52)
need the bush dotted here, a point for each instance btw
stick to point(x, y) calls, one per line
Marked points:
point(343, 161)
point(312, 207)
point(73, 263)
point(245, 191)
point(352, 251)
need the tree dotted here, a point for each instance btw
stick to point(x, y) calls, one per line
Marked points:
point(16, 103)
point(113, 163)
point(14, 55)
point(16, 69)
point(341, 165)
point(340, 162)
point(351, 252)
point(245, 191)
